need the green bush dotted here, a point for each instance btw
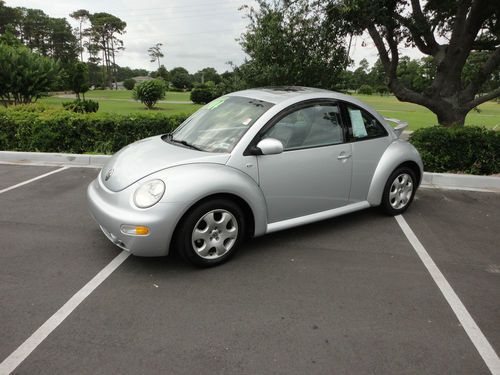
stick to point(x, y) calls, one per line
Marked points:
point(25, 75)
point(81, 106)
point(79, 78)
point(129, 83)
point(467, 149)
point(149, 92)
point(365, 90)
point(382, 90)
point(48, 130)
point(204, 93)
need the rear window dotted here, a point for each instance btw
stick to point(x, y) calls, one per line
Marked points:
point(364, 125)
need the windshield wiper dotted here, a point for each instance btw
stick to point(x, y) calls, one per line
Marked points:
point(187, 144)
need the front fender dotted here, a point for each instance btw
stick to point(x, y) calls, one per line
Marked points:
point(397, 153)
point(190, 183)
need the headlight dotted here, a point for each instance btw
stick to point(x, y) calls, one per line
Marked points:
point(149, 193)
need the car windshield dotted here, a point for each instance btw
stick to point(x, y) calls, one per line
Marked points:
point(219, 125)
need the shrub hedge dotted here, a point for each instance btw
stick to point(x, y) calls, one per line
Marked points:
point(32, 128)
point(81, 106)
point(129, 83)
point(202, 95)
point(365, 90)
point(468, 149)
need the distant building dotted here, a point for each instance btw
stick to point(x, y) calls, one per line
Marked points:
point(137, 79)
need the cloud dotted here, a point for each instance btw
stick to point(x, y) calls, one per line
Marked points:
point(194, 33)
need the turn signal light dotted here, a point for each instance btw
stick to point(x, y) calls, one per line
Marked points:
point(135, 230)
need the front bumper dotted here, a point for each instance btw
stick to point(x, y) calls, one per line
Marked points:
point(111, 210)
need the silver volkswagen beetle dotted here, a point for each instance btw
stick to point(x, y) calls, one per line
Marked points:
point(250, 163)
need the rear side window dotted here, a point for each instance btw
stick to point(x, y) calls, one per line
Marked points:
point(364, 125)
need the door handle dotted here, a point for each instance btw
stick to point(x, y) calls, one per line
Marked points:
point(344, 156)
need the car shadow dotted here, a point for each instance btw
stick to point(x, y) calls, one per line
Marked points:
point(254, 249)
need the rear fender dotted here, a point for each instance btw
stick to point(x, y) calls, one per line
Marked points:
point(396, 154)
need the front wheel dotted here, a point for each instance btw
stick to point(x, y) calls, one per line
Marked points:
point(211, 233)
point(399, 191)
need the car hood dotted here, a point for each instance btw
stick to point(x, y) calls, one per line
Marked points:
point(148, 156)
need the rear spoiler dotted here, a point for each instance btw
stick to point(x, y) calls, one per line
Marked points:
point(400, 125)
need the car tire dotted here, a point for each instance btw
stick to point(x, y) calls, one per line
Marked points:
point(210, 233)
point(399, 191)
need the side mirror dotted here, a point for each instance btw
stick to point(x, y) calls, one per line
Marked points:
point(270, 146)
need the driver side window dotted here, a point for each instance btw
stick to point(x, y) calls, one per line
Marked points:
point(314, 126)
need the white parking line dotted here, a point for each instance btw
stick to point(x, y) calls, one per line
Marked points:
point(482, 345)
point(27, 347)
point(31, 180)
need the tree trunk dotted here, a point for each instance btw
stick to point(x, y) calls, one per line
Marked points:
point(104, 79)
point(450, 116)
point(114, 64)
point(81, 42)
point(450, 111)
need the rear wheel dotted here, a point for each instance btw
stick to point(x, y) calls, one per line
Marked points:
point(211, 233)
point(399, 191)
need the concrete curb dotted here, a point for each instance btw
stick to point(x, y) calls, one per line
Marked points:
point(56, 159)
point(461, 181)
point(430, 180)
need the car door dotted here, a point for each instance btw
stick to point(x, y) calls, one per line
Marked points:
point(369, 141)
point(313, 173)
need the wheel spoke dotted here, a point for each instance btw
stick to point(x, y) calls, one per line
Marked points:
point(225, 219)
point(229, 234)
point(204, 250)
point(393, 194)
point(220, 249)
point(202, 235)
point(210, 219)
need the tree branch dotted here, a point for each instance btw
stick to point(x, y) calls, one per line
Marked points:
point(479, 12)
point(393, 46)
point(467, 27)
point(390, 68)
point(423, 28)
point(460, 18)
point(416, 36)
point(379, 43)
point(482, 75)
point(484, 98)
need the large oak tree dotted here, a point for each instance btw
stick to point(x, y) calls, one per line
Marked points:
point(454, 33)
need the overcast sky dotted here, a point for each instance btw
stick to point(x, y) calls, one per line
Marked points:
point(195, 33)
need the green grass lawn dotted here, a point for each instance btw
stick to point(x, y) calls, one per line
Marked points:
point(124, 107)
point(127, 94)
point(416, 116)
point(419, 117)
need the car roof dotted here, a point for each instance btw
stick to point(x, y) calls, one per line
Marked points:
point(277, 94)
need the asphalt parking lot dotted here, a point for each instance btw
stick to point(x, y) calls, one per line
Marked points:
point(344, 296)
